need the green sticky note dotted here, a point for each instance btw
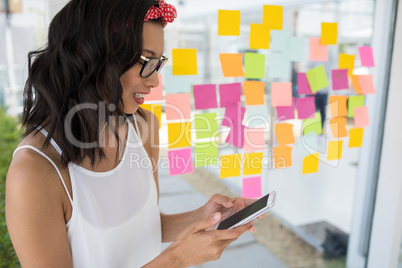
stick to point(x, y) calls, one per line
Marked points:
point(206, 125)
point(254, 65)
point(353, 102)
point(317, 79)
point(206, 153)
point(313, 125)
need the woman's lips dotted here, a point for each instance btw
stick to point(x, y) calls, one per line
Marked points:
point(138, 100)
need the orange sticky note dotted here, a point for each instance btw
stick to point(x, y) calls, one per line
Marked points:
point(334, 150)
point(254, 139)
point(179, 134)
point(282, 157)
point(356, 137)
point(228, 22)
point(232, 65)
point(252, 163)
point(184, 61)
point(356, 84)
point(318, 52)
point(338, 127)
point(254, 92)
point(329, 33)
point(347, 62)
point(337, 105)
point(259, 36)
point(154, 108)
point(230, 165)
point(310, 163)
point(178, 106)
point(366, 83)
point(273, 17)
point(361, 117)
point(284, 134)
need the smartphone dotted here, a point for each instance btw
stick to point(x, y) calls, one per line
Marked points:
point(248, 213)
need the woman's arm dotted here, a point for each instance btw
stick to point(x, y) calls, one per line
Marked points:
point(34, 212)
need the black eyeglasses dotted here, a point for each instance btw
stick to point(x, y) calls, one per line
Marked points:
point(151, 65)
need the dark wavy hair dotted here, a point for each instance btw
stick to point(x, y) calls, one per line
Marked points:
point(91, 43)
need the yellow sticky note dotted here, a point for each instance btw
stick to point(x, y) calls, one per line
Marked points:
point(310, 163)
point(179, 134)
point(282, 157)
point(273, 17)
point(284, 134)
point(254, 92)
point(184, 61)
point(228, 22)
point(232, 64)
point(347, 62)
point(338, 127)
point(259, 36)
point(329, 33)
point(230, 165)
point(338, 105)
point(356, 137)
point(334, 150)
point(154, 108)
point(252, 163)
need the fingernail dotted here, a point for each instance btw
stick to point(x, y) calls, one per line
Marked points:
point(229, 203)
point(216, 216)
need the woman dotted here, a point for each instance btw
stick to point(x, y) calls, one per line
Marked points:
point(79, 202)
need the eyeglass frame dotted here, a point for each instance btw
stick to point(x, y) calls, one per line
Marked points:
point(161, 60)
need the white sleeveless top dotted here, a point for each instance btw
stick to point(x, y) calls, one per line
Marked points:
point(115, 220)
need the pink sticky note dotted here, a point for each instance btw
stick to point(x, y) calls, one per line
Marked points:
point(205, 97)
point(366, 84)
point(236, 136)
point(303, 87)
point(254, 139)
point(178, 106)
point(286, 112)
point(366, 56)
point(361, 117)
point(281, 94)
point(340, 79)
point(305, 107)
point(229, 93)
point(180, 161)
point(156, 92)
point(234, 114)
point(252, 187)
point(318, 52)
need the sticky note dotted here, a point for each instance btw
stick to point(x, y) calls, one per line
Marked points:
point(317, 78)
point(347, 62)
point(257, 115)
point(282, 157)
point(366, 84)
point(280, 40)
point(273, 17)
point(180, 161)
point(353, 102)
point(329, 33)
point(179, 134)
point(252, 164)
point(286, 112)
point(305, 107)
point(156, 93)
point(228, 22)
point(313, 125)
point(361, 117)
point(184, 61)
point(178, 106)
point(254, 65)
point(254, 92)
point(334, 150)
point(310, 163)
point(284, 134)
point(338, 127)
point(236, 136)
point(356, 137)
point(229, 93)
point(338, 105)
point(318, 52)
point(356, 84)
point(206, 125)
point(234, 115)
point(206, 153)
point(303, 87)
point(279, 66)
point(340, 79)
point(366, 56)
point(251, 188)
point(254, 139)
point(297, 48)
point(154, 108)
point(230, 166)
point(176, 83)
point(232, 64)
point(205, 96)
point(259, 36)
point(281, 94)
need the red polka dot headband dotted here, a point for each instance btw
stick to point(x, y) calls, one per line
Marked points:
point(165, 11)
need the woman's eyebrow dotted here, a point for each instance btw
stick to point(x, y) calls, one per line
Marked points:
point(150, 52)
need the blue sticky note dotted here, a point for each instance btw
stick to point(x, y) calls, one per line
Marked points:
point(279, 65)
point(176, 83)
point(257, 115)
point(297, 48)
point(280, 40)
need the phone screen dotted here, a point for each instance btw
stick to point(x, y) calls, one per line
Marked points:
point(244, 213)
